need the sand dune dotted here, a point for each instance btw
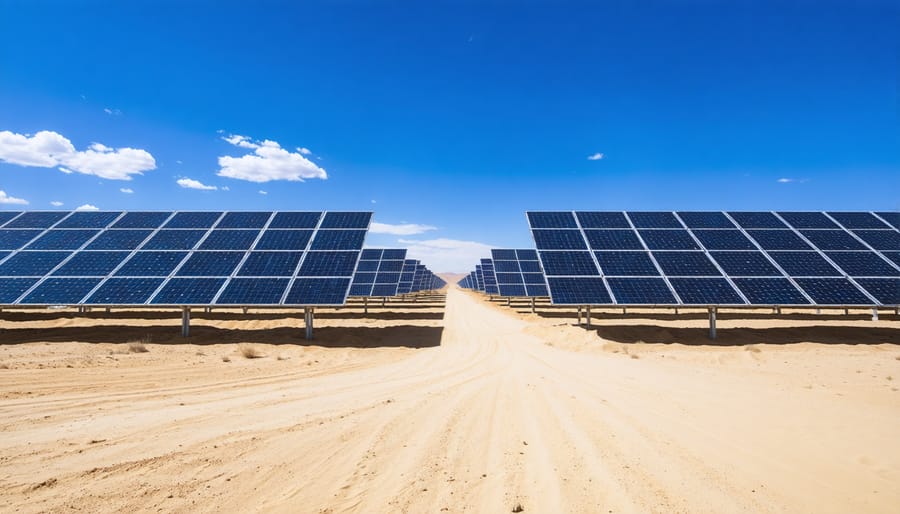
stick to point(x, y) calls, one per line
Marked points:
point(468, 406)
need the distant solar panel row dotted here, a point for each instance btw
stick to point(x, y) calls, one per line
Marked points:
point(378, 273)
point(179, 258)
point(518, 273)
point(719, 258)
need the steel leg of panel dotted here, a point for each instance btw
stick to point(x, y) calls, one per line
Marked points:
point(874, 314)
point(365, 305)
point(712, 322)
point(587, 316)
point(383, 301)
point(308, 315)
point(185, 322)
point(579, 315)
point(532, 306)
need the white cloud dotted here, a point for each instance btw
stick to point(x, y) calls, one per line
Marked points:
point(263, 192)
point(269, 161)
point(304, 151)
point(595, 157)
point(112, 112)
point(405, 229)
point(226, 188)
point(5, 198)
point(56, 203)
point(447, 255)
point(87, 207)
point(373, 201)
point(189, 183)
point(790, 180)
point(48, 149)
point(126, 190)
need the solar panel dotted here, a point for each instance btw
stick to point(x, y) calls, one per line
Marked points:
point(705, 220)
point(244, 220)
point(284, 240)
point(12, 288)
point(641, 291)
point(25, 263)
point(880, 239)
point(863, 264)
point(808, 219)
point(892, 218)
point(833, 291)
point(858, 220)
point(602, 220)
point(705, 291)
point(270, 264)
point(668, 240)
point(124, 291)
point(626, 263)
point(210, 264)
point(654, 220)
point(15, 239)
point(892, 256)
point(295, 220)
point(229, 240)
point(119, 240)
point(885, 290)
point(578, 291)
point(188, 291)
point(685, 264)
point(88, 220)
point(770, 291)
point(5, 216)
point(724, 240)
point(832, 240)
point(551, 220)
point(36, 219)
point(613, 240)
point(346, 220)
point(253, 291)
point(338, 239)
point(62, 240)
point(379, 273)
point(510, 276)
point(142, 219)
point(54, 291)
point(91, 264)
point(778, 240)
point(329, 264)
point(568, 263)
point(745, 264)
point(804, 264)
point(174, 240)
point(193, 220)
point(559, 240)
point(318, 291)
point(151, 264)
point(749, 220)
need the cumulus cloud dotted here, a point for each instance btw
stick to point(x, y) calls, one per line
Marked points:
point(12, 200)
point(48, 149)
point(447, 255)
point(269, 161)
point(56, 203)
point(304, 151)
point(126, 190)
point(404, 229)
point(87, 207)
point(263, 192)
point(595, 157)
point(786, 180)
point(189, 183)
point(112, 112)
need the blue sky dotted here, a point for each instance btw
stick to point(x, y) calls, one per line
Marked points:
point(453, 117)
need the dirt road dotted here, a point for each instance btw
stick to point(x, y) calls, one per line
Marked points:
point(502, 415)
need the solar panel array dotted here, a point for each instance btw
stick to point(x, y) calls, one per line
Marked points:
point(378, 273)
point(416, 277)
point(719, 258)
point(179, 258)
point(518, 273)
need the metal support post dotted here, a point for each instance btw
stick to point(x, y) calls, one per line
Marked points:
point(185, 322)
point(818, 311)
point(383, 301)
point(624, 310)
point(874, 313)
point(587, 316)
point(508, 301)
point(778, 310)
point(712, 322)
point(579, 315)
point(365, 305)
point(532, 305)
point(308, 315)
point(846, 312)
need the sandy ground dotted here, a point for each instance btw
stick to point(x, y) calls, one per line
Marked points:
point(463, 406)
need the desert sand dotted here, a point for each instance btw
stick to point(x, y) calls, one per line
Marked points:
point(449, 404)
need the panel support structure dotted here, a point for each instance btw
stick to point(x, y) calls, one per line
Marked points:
point(587, 316)
point(365, 305)
point(308, 318)
point(532, 305)
point(185, 322)
point(874, 313)
point(712, 322)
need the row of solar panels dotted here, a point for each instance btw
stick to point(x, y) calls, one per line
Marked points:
point(509, 273)
point(387, 272)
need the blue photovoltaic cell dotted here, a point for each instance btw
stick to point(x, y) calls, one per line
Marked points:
point(705, 291)
point(527, 255)
point(328, 264)
point(229, 240)
point(364, 278)
point(284, 240)
point(626, 263)
point(530, 267)
point(6, 216)
point(338, 240)
point(391, 266)
point(512, 290)
point(833, 291)
point(885, 290)
point(54, 291)
point(804, 264)
point(62, 239)
point(668, 240)
point(346, 220)
point(551, 220)
point(16, 239)
point(244, 220)
point(142, 220)
point(12, 288)
point(559, 240)
point(863, 264)
point(124, 291)
point(270, 264)
point(808, 220)
point(509, 278)
point(119, 240)
point(369, 254)
point(569, 263)
point(318, 291)
point(778, 240)
point(88, 220)
point(745, 264)
point(193, 220)
point(91, 264)
point(506, 266)
point(385, 289)
point(685, 264)
point(832, 240)
point(538, 290)
point(533, 278)
point(295, 220)
point(892, 218)
point(151, 264)
point(394, 254)
point(188, 291)
point(654, 220)
point(3, 255)
point(893, 257)
point(578, 291)
point(705, 220)
point(367, 266)
point(757, 220)
point(387, 278)
point(34, 264)
point(36, 219)
point(361, 289)
point(641, 291)
point(253, 291)
point(857, 220)
point(724, 240)
point(210, 264)
point(880, 239)
point(602, 220)
point(503, 255)
point(174, 240)
point(770, 291)
point(613, 240)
